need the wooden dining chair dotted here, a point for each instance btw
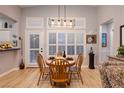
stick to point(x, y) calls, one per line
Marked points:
point(59, 72)
point(44, 70)
point(76, 69)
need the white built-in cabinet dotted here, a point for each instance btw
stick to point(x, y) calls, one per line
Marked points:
point(8, 30)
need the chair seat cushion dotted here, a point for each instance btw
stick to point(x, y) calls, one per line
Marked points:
point(73, 68)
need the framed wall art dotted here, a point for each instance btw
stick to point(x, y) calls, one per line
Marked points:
point(104, 39)
point(91, 39)
point(122, 35)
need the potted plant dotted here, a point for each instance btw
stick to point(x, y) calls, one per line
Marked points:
point(121, 51)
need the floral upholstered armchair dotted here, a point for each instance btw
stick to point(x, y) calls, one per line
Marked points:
point(112, 74)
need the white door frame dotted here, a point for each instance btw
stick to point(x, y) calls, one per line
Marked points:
point(111, 40)
point(27, 46)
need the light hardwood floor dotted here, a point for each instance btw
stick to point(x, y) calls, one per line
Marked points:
point(28, 78)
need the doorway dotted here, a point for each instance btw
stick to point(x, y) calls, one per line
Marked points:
point(106, 41)
point(34, 45)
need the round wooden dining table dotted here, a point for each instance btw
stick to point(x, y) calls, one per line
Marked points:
point(71, 62)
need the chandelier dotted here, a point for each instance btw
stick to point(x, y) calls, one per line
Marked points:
point(61, 21)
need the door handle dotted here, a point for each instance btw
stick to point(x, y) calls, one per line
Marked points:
point(41, 50)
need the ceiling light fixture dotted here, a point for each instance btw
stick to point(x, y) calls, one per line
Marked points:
point(61, 21)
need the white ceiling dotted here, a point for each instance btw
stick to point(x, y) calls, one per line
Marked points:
point(26, 6)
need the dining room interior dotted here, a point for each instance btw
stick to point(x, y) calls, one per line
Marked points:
point(61, 46)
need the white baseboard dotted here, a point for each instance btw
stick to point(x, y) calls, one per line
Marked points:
point(7, 72)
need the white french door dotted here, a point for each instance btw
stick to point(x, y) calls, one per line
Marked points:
point(34, 45)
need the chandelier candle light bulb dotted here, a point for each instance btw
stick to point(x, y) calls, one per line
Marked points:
point(52, 22)
point(61, 21)
point(64, 23)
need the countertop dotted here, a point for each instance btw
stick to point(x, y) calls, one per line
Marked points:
point(10, 49)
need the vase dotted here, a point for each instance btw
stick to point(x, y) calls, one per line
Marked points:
point(64, 55)
point(22, 65)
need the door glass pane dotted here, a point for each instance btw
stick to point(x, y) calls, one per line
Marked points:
point(34, 41)
point(70, 38)
point(79, 38)
point(52, 38)
point(70, 50)
point(61, 48)
point(33, 56)
point(52, 50)
point(79, 49)
point(61, 38)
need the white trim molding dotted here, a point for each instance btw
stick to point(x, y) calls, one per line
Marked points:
point(34, 23)
point(7, 72)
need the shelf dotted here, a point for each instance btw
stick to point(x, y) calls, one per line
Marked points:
point(10, 49)
point(6, 29)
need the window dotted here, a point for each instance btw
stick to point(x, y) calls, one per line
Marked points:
point(70, 42)
point(52, 43)
point(34, 41)
point(61, 38)
point(70, 50)
point(61, 48)
point(52, 50)
point(33, 55)
point(79, 49)
point(70, 38)
point(79, 38)
point(52, 38)
point(79, 43)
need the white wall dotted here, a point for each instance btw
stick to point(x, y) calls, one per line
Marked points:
point(89, 12)
point(10, 59)
point(11, 11)
point(105, 13)
point(94, 17)
point(14, 12)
